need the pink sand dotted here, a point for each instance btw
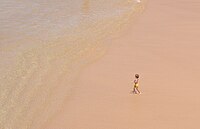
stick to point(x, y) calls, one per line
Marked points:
point(162, 45)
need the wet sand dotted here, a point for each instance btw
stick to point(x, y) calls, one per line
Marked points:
point(44, 45)
point(162, 45)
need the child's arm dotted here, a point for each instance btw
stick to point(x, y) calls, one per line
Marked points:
point(136, 81)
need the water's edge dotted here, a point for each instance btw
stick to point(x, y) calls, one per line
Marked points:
point(36, 73)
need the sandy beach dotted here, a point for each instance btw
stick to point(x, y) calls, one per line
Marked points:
point(44, 46)
point(70, 64)
point(162, 45)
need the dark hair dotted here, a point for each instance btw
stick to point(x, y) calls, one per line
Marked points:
point(137, 75)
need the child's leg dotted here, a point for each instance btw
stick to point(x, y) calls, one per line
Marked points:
point(134, 91)
point(137, 90)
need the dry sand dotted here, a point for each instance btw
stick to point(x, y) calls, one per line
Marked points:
point(162, 46)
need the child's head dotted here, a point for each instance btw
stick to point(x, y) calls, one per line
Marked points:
point(136, 75)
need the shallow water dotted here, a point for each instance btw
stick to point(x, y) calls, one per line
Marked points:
point(43, 45)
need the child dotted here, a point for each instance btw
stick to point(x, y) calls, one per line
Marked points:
point(136, 84)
